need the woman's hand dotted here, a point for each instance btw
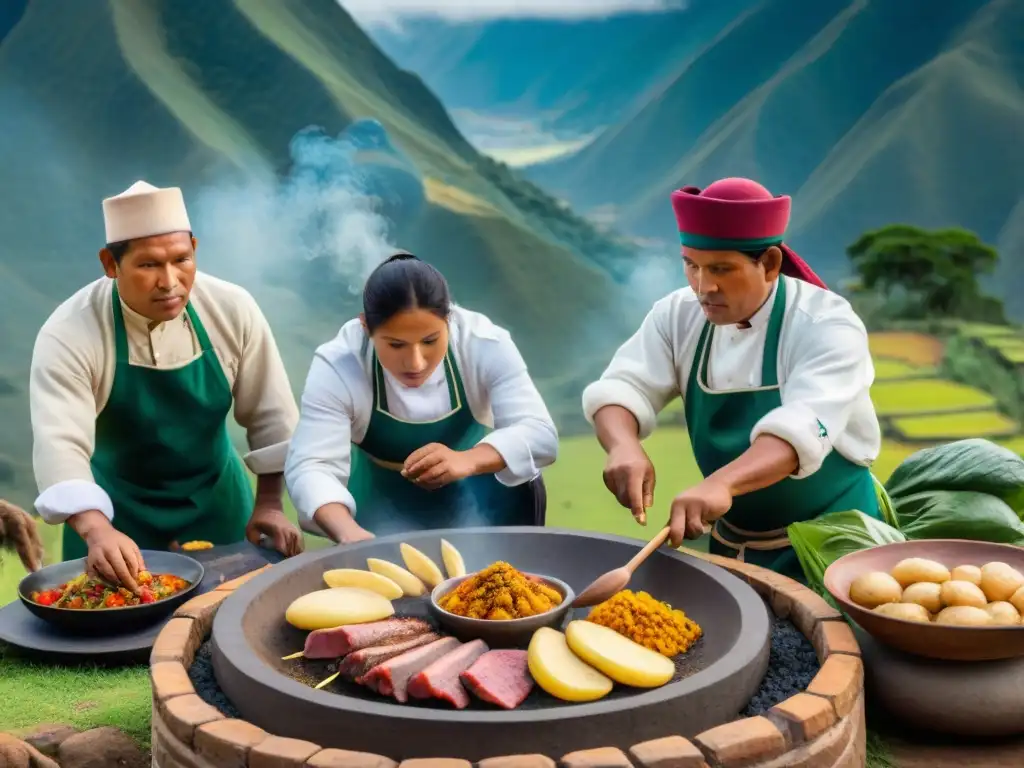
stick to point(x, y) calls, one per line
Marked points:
point(629, 475)
point(435, 466)
point(694, 511)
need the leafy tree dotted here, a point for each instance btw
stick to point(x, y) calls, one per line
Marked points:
point(919, 274)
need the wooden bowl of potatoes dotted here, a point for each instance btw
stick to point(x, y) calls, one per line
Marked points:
point(949, 599)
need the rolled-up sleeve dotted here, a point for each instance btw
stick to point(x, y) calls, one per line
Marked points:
point(62, 404)
point(831, 371)
point(642, 376)
point(317, 467)
point(524, 432)
point(264, 402)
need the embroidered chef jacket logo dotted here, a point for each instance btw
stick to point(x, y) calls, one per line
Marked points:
point(822, 432)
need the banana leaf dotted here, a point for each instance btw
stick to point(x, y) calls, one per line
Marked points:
point(958, 515)
point(820, 542)
point(964, 465)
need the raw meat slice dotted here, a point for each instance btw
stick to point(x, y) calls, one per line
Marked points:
point(339, 641)
point(358, 663)
point(441, 679)
point(392, 677)
point(500, 677)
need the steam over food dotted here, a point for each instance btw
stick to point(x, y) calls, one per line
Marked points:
point(922, 590)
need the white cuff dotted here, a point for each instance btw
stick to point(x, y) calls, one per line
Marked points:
point(799, 426)
point(62, 500)
point(519, 465)
point(312, 490)
point(614, 392)
point(268, 460)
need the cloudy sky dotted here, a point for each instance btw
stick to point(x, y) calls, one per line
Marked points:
point(393, 12)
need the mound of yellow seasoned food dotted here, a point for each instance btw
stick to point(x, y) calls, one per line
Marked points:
point(649, 622)
point(500, 592)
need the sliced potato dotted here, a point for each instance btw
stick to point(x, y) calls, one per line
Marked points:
point(971, 573)
point(874, 588)
point(917, 569)
point(1003, 614)
point(999, 581)
point(618, 657)
point(962, 593)
point(454, 565)
point(964, 616)
point(411, 586)
point(337, 607)
point(905, 611)
point(421, 565)
point(925, 593)
point(560, 672)
point(353, 577)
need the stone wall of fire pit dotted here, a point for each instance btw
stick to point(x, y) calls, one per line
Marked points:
point(820, 728)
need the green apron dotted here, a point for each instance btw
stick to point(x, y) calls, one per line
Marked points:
point(720, 423)
point(387, 503)
point(163, 454)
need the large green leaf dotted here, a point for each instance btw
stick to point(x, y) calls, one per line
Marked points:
point(820, 542)
point(965, 465)
point(958, 515)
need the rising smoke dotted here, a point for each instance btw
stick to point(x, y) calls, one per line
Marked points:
point(251, 229)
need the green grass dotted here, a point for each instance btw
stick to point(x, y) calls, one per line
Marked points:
point(956, 426)
point(893, 398)
point(899, 369)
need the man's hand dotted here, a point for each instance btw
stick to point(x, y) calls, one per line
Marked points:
point(434, 466)
point(113, 557)
point(629, 475)
point(268, 519)
point(18, 532)
point(696, 509)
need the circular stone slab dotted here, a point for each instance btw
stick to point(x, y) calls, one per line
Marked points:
point(964, 698)
point(714, 681)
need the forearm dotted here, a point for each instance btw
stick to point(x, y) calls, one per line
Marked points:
point(616, 426)
point(486, 460)
point(334, 519)
point(88, 522)
point(767, 461)
point(269, 489)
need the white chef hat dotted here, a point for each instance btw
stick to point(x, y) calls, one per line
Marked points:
point(143, 210)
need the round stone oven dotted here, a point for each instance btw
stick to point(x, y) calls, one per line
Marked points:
point(713, 681)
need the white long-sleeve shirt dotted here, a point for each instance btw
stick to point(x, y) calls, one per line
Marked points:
point(824, 368)
point(338, 400)
point(72, 374)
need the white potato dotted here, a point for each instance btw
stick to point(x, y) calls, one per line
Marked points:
point(905, 611)
point(1017, 600)
point(926, 594)
point(1003, 614)
point(962, 593)
point(916, 569)
point(336, 607)
point(964, 616)
point(999, 581)
point(875, 588)
point(971, 573)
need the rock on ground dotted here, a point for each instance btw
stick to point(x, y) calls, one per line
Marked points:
point(101, 748)
point(15, 753)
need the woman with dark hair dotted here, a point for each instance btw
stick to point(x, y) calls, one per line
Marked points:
point(419, 414)
point(775, 375)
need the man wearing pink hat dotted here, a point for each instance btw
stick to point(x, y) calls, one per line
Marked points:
point(775, 375)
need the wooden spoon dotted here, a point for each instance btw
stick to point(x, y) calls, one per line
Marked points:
point(615, 581)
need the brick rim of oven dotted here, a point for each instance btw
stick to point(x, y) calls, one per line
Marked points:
point(822, 727)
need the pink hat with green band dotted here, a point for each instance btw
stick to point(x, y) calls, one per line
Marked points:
point(738, 215)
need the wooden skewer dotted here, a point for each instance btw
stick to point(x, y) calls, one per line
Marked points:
point(297, 655)
point(322, 683)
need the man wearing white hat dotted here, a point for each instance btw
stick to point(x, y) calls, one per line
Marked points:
point(131, 383)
